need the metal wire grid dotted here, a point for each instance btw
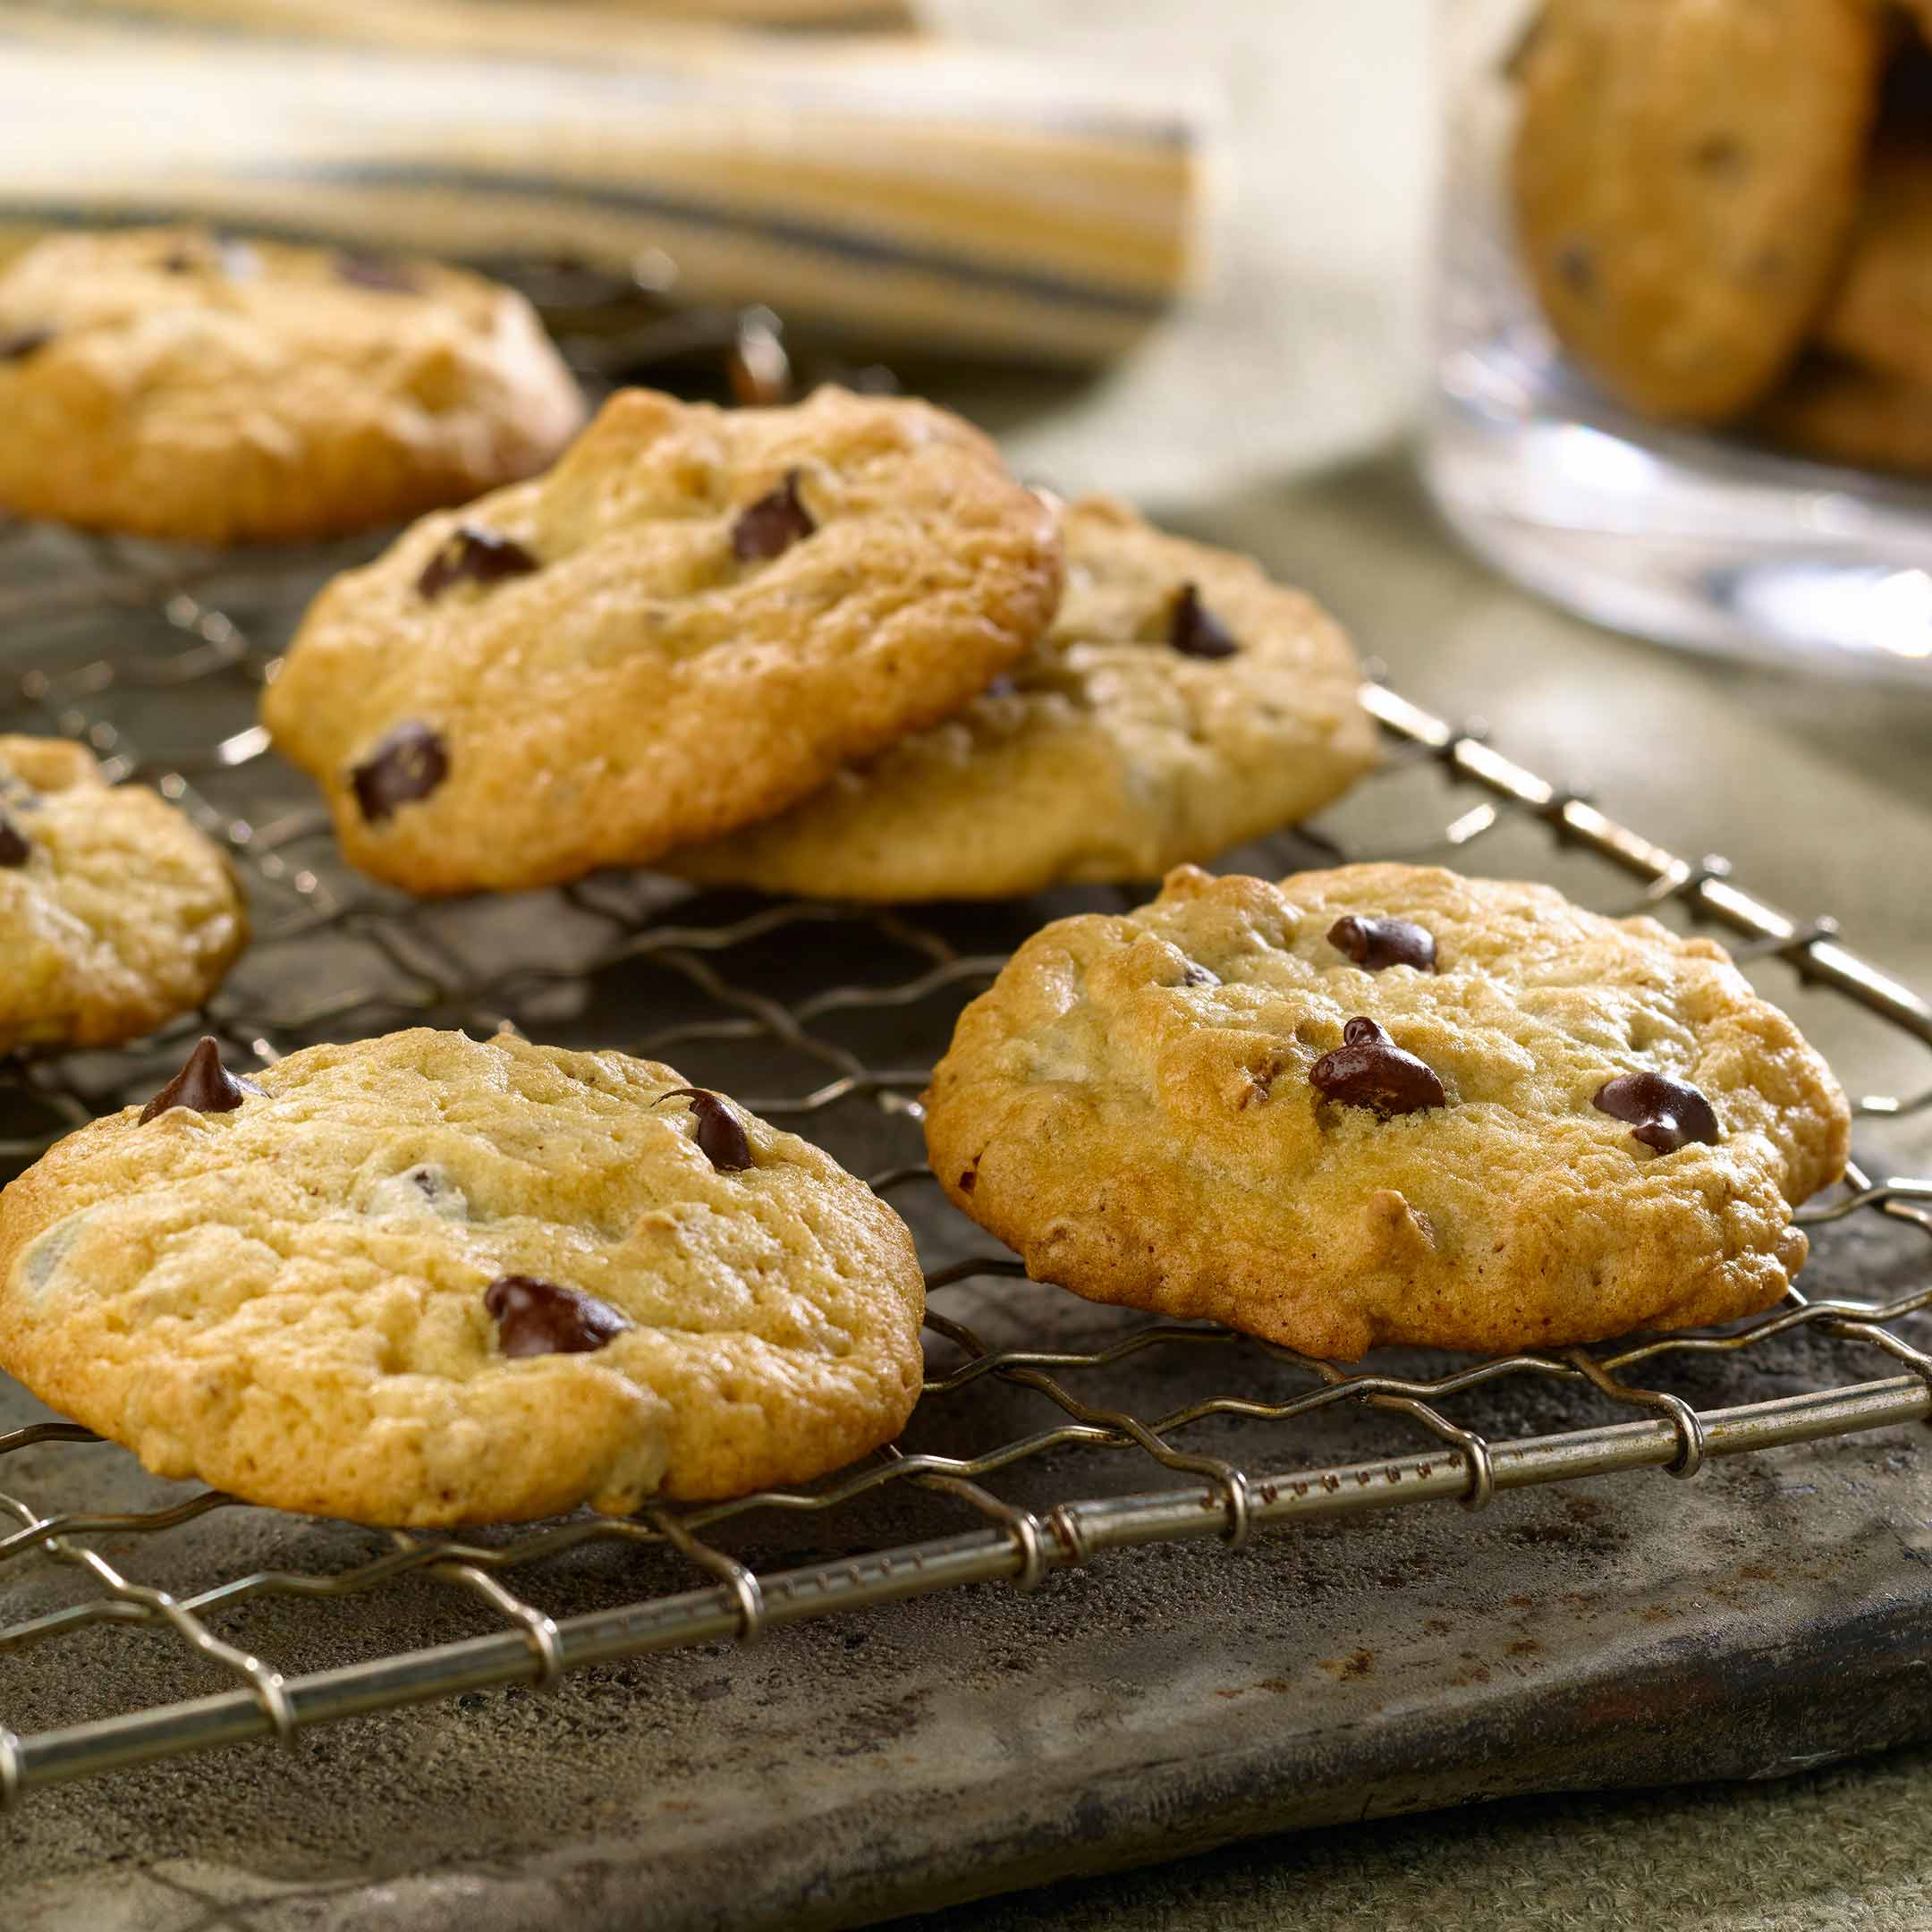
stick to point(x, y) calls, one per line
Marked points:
point(406, 965)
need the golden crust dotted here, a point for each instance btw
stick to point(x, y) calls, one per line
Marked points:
point(270, 1299)
point(1108, 756)
point(240, 392)
point(1685, 176)
point(1144, 1139)
point(122, 913)
point(644, 688)
point(1881, 313)
point(1841, 414)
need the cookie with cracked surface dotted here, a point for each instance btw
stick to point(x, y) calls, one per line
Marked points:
point(169, 383)
point(115, 912)
point(1386, 1103)
point(427, 1280)
point(1685, 177)
point(689, 624)
point(1179, 704)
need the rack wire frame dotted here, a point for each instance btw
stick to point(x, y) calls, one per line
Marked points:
point(300, 892)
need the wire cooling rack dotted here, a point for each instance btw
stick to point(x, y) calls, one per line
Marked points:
point(825, 1019)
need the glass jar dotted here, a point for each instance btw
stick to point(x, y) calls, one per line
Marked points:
point(1695, 533)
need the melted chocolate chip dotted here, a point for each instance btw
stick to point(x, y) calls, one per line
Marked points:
point(407, 764)
point(21, 344)
point(1195, 974)
point(769, 526)
point(1369, 1070)
point(1664, 1113)
point(372, 272)
point(539, 1318)
point(1376, 944)
point(15, 850)
point(204, 1085)
point(1195, 632)
point(472, 555)
point(720, 1136)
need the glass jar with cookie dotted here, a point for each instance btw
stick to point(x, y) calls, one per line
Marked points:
point(1685, 317)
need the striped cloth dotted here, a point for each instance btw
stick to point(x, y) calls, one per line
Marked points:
point(901, 192)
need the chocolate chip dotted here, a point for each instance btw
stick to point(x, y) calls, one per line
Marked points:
point(373, 272)
point(1376, 944)
point(15, 850)
point(757, 367)
point(407, 764)
point(1664, 1113)
point(204, 1085)
point(720, 1137)
point(1717, 153)
point(472, 555)
point(769, 526)
point(1369, 1070)
point(1195, 974)
point(21, 344)
point(1575, 266)
point(537, 1318)
point(1195, 632)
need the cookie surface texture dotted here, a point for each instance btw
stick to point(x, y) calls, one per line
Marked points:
point(1179, 704)
point(427, 1280)
point(116, 913)
point(168, 383)
point(689, 624)
point(1841, 414)
point(1880, 315)
point(1685, 177)
point(1188, 1109)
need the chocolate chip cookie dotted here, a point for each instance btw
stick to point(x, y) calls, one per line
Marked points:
point(1880, 315)
point(689, 624)
point(115, 913)
point(1179, 704)
point(1385, 1104)
point(1685, 178)
point(170, 383)
point(1842, 413)
point(430, 1280)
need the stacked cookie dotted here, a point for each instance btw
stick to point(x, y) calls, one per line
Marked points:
point(832, 649)
point(1725, 208)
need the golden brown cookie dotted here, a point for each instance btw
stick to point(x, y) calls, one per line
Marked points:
point(115, 913)
point(430, 1280)
point(1840, 414)
point(689, 624)
point(1386, 1103)
point(167, 383)
point(1880, 315)
point(1179, 704)
point(1685, 178)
